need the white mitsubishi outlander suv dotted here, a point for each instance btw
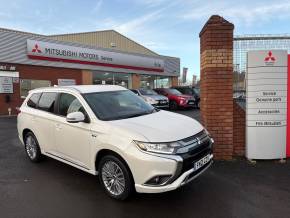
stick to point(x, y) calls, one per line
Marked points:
point(108, 131)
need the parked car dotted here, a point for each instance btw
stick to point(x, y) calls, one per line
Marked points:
point(152, 97)
point(108, 131)
point(188, 90)
point(176, 98)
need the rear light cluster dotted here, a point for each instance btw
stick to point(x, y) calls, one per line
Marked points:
point(17, 110)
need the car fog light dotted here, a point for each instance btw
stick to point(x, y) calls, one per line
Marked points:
point(158, 180)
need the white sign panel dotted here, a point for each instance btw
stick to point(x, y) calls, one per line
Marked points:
point(6, 85)
point(63, 53)
point(266, 104)
point(66, 82)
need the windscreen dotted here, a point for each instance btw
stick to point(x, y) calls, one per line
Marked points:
point(117, 105)
point(174, 92)
point(147, 92)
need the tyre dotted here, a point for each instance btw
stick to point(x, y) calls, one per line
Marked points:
point(32, 147)
point(115, 177)
point(173, 105)
point(198, 105)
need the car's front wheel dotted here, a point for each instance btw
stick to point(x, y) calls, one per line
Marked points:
point(115, 177)
point(173, 105)
point(32, 147)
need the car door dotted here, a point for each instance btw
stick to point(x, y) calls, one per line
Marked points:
point(42, 120)
point(72, 139)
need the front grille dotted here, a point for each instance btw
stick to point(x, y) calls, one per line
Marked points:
point(162, 102)
point(195, 154)
point(202, 147)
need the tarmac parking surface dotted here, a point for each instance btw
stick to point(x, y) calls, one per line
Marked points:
point(53, 189)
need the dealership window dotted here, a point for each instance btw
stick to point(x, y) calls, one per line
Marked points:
point(109, 78)
point(147, 81)
point(150, 81)
point(26, 85)
point(162, 82)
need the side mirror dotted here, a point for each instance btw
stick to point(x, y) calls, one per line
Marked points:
point(75, 117)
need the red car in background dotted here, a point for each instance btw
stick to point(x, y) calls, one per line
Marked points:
point(176, 98)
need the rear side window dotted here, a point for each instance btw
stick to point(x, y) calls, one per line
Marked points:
point(47, 101)
point(68, 104)
point(33, 100)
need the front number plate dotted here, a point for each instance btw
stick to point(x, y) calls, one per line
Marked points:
point(202, 162)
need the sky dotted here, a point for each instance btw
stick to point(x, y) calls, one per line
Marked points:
point(168, 27)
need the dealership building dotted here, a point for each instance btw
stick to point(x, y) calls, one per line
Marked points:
point(29, 61)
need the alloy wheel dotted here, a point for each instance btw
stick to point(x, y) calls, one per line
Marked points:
point(31, 147)
point(113, 178)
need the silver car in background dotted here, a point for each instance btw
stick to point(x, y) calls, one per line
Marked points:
point(152, 97)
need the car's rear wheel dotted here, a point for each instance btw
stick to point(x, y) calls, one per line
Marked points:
point(32, 147)
point(173, 105)
point(115, 177)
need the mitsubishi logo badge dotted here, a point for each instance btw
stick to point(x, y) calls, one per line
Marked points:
point(36, 49)
point(270, 58)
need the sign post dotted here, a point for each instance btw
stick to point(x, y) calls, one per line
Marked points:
point(266, 108)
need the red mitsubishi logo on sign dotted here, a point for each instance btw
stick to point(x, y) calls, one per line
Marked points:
point(270, 57)
point(36, 49)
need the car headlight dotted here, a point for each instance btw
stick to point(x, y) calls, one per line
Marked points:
point(150, 100)
point(163, 148)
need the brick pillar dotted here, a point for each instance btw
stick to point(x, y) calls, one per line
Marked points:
point(135, 81)
point(216, 52)
point(87, 77)
point(174, 81)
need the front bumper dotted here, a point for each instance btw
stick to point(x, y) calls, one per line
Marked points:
point(161, 104)
point(184, 170)
point(185, 178)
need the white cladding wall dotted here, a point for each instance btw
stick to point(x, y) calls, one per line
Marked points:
point(13, 47)
point(266, 104)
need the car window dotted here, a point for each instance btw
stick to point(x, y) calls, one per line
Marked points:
point(135, 91)
point(187, 91)
point(47, 101)
point(69, 104)
point(159, 91)
point(33, 100)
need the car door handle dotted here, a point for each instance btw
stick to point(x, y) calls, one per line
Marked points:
point(58, 127)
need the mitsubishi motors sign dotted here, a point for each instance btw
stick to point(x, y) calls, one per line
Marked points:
point(266, 107)
point(40, 50)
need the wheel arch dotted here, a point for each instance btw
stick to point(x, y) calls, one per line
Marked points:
point(104, 152)
point(25, 131)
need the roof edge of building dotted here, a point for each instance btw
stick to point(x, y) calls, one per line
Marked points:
point(109, 30)
point(21, 32)
point(261, 36)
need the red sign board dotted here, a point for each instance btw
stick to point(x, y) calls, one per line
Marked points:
point(288, 111)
